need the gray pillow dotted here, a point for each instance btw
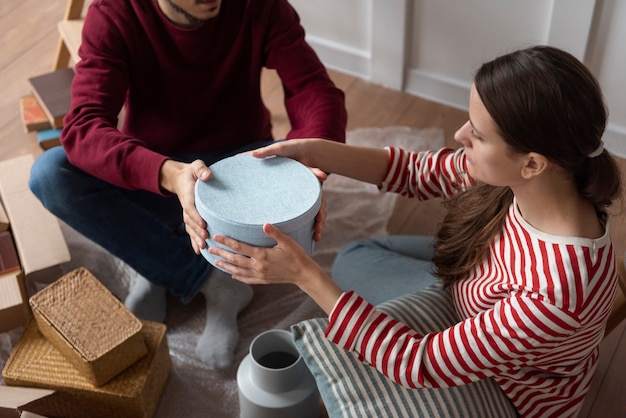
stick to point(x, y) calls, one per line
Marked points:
point(350, 388)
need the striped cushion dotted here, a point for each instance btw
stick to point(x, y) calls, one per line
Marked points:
point(350, 388)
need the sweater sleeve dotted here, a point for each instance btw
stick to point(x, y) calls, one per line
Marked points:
point(314, 104)
point(90, 135)
point(426, 175)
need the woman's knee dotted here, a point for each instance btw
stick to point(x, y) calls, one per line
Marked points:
point(359, 245)
point(353, 254)
point(370, 253)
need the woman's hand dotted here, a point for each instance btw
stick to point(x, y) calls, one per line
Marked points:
point(286, 262)
point(180, 179)
point(361, 163)
point(297, 149)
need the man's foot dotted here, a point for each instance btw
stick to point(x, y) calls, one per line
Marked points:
point(147, 300)
point(225, 298)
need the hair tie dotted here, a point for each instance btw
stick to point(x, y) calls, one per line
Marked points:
point(597, 151)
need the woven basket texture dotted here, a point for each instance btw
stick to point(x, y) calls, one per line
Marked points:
point(35, 362)
point(89, 325)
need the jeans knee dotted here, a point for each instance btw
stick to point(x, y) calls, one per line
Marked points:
point(45, 180)
point(39, 173)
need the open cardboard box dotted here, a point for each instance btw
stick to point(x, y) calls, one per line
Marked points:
point(38, 239)
point(4, 219)
point(15, 401)
point(12, 310)
point(41, 248)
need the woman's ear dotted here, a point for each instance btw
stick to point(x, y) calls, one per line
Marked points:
point(534, 164)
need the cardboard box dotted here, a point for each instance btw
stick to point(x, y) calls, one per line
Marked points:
point(38, 238)
point(13, 309)
point(14, 401)
point(12, 294)
point(8, 254)
point(4, 219)
point(35, 362)
point(89, 326)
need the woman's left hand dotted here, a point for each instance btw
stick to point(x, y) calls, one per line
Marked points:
point(286, 262)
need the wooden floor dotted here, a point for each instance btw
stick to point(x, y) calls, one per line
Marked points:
point(29, 41)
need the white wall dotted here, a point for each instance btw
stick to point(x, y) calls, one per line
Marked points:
point(431, 48)
point(606, 57)
point(339, 31)
point(451, 38)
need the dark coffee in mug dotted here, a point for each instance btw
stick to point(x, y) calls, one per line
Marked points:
point(277, 360)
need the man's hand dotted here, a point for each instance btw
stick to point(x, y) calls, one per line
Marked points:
point(180, 179)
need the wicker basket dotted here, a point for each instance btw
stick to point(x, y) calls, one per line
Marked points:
point(36, 362)
point(98, 335)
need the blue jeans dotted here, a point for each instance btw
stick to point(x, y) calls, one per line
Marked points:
point(383, 268)
point(143, 229)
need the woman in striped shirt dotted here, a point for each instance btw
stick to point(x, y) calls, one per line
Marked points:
point(524, 248)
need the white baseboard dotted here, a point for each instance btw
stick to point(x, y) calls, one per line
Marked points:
point(342, 58)
point(615, 139)
point(440, 89)
point(357, 62)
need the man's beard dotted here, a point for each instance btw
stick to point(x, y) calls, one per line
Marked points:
point(193, 21)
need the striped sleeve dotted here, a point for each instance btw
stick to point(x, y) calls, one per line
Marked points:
point(427, 174)
point(492, 343)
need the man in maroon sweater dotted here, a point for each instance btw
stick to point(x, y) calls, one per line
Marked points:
point(187, 73)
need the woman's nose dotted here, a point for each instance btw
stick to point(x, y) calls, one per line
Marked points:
point(462, 134)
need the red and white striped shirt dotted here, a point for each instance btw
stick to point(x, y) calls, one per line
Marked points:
point(532, 314)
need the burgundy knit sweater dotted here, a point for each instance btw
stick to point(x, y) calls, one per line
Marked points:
point(189, 90)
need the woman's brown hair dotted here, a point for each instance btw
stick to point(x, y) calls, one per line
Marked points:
point(544, 100)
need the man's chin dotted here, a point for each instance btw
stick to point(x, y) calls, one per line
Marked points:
point(204, 16)
point(205, 10)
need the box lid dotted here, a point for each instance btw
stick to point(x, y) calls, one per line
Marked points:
point(37, 234)
point(245, 190)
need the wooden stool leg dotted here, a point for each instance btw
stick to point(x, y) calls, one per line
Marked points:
point(74, 10)
point(62, 59)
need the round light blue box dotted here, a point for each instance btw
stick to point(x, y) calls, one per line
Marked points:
point(245, 192)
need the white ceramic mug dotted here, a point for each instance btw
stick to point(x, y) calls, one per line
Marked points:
point(273, 380)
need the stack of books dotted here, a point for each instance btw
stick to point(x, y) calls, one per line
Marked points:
point(43, 110)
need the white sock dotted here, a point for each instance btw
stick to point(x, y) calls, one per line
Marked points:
point(225, 298)
point(147, 300)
